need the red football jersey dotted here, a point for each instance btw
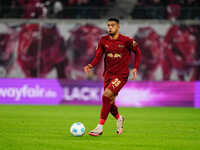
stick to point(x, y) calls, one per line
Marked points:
point(117, 54)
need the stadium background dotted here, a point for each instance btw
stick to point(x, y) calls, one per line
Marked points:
point(45, 44)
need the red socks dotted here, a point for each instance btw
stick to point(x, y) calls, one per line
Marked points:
point(114, 111)
point(106, 108)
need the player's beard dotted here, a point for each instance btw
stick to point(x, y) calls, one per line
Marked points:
point(112, 33)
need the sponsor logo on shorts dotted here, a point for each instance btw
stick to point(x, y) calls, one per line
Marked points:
point(116, 83)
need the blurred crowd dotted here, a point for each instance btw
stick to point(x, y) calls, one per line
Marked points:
point(166, 9)
point(50, 8)
point(167, 2)
point(142, 9)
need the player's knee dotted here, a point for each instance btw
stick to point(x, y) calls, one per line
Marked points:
point(112, 99)
point(108, 93)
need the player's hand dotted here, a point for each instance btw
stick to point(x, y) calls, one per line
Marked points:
point(88, 68)
point(134, 72)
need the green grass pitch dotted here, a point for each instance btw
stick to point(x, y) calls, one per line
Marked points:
point(47, 128)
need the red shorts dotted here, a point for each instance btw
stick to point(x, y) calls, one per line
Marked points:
point(114, 83)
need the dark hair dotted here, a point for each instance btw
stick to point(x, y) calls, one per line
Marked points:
point(114, 19)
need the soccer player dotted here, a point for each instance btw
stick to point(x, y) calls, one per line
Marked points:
point(116, 49)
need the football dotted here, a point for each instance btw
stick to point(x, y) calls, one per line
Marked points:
point(77, 129)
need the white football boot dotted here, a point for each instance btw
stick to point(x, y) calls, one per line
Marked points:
point(120, 123)
point(96, 132)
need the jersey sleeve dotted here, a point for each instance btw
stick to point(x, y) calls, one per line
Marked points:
point(99, 54)
point(133, 46)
